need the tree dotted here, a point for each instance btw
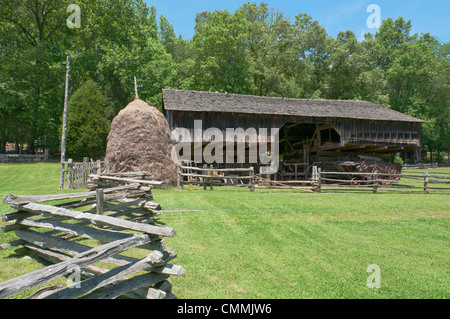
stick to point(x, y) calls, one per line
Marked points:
point(416, 70)
point(32, 66)
point(167, 35)
point(87, 125)
point(221, 61)
point(345, 67)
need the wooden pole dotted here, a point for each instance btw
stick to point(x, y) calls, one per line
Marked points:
point(252, 180)
point(319, 180)
point(375, 185)
point(100, 199)
point(211, 173)
point(70, 177)
point(205, 167)
point(425, 183)
point(63, 140)
point(136, 88)
point(180, 178)
point(314, 178)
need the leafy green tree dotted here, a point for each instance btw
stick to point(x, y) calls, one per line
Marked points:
point(255, 50)
point(345, 67)
point(87, 125)
point(167, 35)
point(221, 61)
point(31, 59)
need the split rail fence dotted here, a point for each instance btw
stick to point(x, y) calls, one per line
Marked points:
point(419, 166)
point(116, 226)
point(375, 182)
point(238, 177)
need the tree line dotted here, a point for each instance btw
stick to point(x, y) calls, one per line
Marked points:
point(255, 50)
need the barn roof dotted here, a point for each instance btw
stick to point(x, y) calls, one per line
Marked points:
point(197, 101)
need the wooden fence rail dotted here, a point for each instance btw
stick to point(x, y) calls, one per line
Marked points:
point(77, 174)
point(113, 220)
point(238, 177)
point(419, 166)
point(381, 182)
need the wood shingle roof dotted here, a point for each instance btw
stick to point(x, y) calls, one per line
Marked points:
point(197, 101)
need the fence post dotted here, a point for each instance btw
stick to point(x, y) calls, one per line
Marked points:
point(61, 177)
point(99, 208)
point(85, 171)
point(99, 167)
point(252, 180)
point(375, 185)
point(314, 178)
point(211, 180)
point(425, 182)
point(99, 197)
point(180, 178)
point(319, 180)
point(70, 174)
point(205, 180)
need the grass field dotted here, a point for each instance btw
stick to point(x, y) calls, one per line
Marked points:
point(273, 244)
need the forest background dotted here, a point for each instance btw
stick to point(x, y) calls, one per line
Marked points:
point(255, 50)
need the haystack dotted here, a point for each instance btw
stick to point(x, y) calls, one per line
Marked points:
point(140, 140)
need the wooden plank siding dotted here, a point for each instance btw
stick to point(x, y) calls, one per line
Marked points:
point(351, 131)
point(308, 130)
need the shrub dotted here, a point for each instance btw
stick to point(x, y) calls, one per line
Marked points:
point(87, 123)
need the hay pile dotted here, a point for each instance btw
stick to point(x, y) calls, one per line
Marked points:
point(140, 140)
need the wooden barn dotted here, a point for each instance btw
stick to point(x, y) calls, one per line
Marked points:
point(320, 132)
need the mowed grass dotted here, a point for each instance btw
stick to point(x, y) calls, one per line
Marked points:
point(281, 243)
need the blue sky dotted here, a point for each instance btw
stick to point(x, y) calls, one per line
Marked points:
point(431, 16)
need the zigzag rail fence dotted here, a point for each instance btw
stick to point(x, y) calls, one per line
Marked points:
point(118, 215)
point(210, 176)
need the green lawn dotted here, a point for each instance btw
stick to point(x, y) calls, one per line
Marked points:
point(284, 244)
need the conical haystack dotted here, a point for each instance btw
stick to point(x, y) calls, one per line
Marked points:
point(140, 140)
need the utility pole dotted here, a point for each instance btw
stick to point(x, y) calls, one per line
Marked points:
point(63, 140)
